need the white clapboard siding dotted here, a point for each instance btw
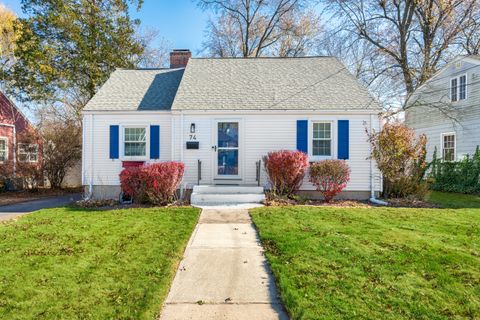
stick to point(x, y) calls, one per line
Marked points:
point(105, 170)
point(259, 134)
point(431, 113)
point(262, 133)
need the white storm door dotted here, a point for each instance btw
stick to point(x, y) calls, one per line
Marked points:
point(227, 158)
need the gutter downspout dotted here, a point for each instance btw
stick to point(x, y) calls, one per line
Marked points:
point(182, 186)
point(90, 185)
point(14, 147)
point(373, 199)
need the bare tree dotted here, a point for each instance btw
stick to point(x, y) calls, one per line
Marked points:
point(412, 38)
point(300, 33)
point(223, 38)
point(362, 59)
point(156, 50)
point(252, 28)
point(62, 149)
point(470, 37)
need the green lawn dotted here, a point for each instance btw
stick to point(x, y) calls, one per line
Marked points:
point(78, 264)
point(454, 200)
point(376, 263)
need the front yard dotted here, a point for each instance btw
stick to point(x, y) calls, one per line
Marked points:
point(376, 263)
point(79, 264)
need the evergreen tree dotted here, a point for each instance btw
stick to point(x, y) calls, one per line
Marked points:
point(67, 48)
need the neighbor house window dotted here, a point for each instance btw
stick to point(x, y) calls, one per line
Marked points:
point(27, 152)
point(462, 92)
point(322, 139)
point(448, 147)
point(458, 88)
point(3, 149)
point(135, 142)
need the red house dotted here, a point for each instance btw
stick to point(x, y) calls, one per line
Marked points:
point(20, 146)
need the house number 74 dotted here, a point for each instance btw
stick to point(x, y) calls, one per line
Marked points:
point(193, 137)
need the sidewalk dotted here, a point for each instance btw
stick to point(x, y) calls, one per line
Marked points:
point(224, 274)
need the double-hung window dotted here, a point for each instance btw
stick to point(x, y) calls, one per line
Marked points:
point(135, 141)
point(448, 147)
point(458, 88)
point(3, 149)
point(27, 152)
point(322, 139)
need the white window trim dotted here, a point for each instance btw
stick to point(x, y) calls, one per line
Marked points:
point(458, 88)
point(19, 153)
point(333, 139)
point(147, 142)
point(454, 146)
point(6, 149)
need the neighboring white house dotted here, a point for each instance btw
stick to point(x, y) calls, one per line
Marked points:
point(221, 116)
point(447, 109)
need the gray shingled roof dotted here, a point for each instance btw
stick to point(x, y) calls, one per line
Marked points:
point(310, 83)
point(142, 89)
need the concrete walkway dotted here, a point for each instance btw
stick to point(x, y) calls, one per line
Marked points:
point(224, 274)
point(14, 210)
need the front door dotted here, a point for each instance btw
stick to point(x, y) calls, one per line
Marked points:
point(227, 149)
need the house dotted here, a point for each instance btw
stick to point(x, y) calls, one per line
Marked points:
point(447, 109)
point(20, 147)
point(221, 116)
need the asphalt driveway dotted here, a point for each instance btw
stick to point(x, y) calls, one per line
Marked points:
point(14, 210)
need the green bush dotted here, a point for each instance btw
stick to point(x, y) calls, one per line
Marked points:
point(457, 176)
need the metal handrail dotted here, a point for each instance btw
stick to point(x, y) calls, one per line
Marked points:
point(199, 171)
point(258, 165)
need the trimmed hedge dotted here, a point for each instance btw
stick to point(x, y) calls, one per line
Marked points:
point(459, 176)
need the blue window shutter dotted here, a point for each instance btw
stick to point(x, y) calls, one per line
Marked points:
point(302, 135)
point(343, 139)
point(114, 142)
point(154, 142)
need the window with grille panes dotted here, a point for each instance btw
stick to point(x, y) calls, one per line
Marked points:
point(322, 139)
point(3, 149)
point(135, 142)
point(448, 147)
point(458, 88)
point(27, 152)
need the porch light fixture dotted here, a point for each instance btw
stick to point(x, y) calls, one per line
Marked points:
point(192, 128)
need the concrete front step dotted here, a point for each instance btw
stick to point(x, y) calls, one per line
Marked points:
point(225, 198)
point(218, 195)
point(228, 189)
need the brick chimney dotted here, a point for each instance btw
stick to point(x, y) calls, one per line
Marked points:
point(179, 58)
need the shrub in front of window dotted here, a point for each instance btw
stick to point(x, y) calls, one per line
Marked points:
point(285, 170)
point(330, 177)
point(132, 185)
point(401, 157)
point(155, 183)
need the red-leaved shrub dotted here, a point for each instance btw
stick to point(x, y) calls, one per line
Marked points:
point(330, 177)
point(285, 170)
point(154, 183)
point(162, 180)
point(131, 183)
